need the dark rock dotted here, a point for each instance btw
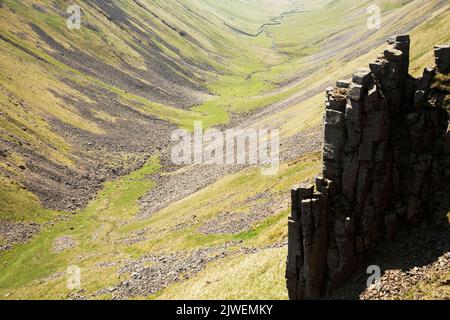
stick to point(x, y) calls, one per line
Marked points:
point(332, 170)
point(337, 105)
point(334, 118)
point(355, 92)
point(362, 77)
point(393, 54)
point(353, 111)
point(349, 176)
point(378, 68)
point(331, 152)
point(442, 55)
point(428, 75)
point(391, 224)
point(39, 8)
point(334, 135)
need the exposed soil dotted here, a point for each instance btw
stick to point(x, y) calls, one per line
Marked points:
point(161, 72)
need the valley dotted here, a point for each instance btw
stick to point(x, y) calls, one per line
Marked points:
point(85, 139)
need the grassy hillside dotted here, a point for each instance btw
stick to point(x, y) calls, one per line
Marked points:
point(135, 68)
point(82, 107)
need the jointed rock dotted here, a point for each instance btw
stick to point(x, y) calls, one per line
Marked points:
point(386, 152)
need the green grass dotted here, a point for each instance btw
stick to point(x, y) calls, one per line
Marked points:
point(245, 74)
point(25, 270)
point(235, 57)
point(115, 204)
point(19, 205)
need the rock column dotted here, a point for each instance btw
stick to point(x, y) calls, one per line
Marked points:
point(386, 151)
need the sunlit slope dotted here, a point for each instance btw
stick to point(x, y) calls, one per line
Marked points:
point(105, 237)
point(116, 87)
point(289, 70)
point(307, 91)
point(337, 33)
point(309, 46)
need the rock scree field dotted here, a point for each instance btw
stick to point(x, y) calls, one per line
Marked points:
point(87, 115)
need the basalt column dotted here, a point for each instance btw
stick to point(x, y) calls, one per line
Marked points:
point(386, 152)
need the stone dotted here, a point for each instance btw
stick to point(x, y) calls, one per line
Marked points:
point(402, 38)
point(329, 93)
point(294, 258)
point(392, 84)
point(393, 71)
point(414, 209)
point(355, 92)
point(442, 58)
point(333, 259)
point(349, 175)
point(354, 135)
point(294, 203)
point(353, 111)
point(372, 95)
point(294, 247)
point(419, 97)
point(323, 185)
point(337, 105)
point(399, 39)
point(342, 84)
point(298, 194)
point(428, 76)
point(386, 153)
point(306, 191)
point(314, 222)
point(447, 142)
point(334, 135)
point(331, 170)
point(334, 118)
point(393, 54)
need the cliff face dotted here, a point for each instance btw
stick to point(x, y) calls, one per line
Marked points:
point(386, 153)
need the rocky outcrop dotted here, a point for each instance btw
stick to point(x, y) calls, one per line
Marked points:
point(386, 152)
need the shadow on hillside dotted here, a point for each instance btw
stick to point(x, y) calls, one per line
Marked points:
point(418, 246)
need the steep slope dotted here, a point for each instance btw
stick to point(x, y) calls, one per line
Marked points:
point(230, 234)
point(82, 106)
